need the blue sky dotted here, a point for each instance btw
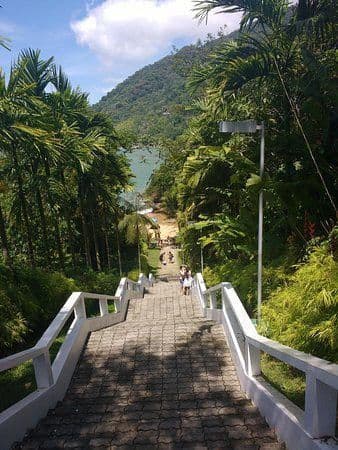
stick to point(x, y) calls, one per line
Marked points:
point(101, 42)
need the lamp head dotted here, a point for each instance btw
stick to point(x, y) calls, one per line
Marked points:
point(245, 126)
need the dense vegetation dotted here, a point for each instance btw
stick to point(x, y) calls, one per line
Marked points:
point(153, 103)
point(281, 70)
point(61, 170)
point(62, 174)
point(62, 227)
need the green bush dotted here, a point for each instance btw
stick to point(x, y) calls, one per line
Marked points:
point(13, 326)
point(304, 313)
point(98, 282)
point(30, 299)
point(244, 279)
point(133, 274)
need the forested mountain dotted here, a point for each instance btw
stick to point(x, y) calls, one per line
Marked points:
point(153, 102)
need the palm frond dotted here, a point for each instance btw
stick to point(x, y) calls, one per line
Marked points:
point(4, 42)
point(269, 13)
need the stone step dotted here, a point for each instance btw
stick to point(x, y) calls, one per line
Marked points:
point(164, 378)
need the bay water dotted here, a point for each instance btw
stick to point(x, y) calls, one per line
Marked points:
point(143, 161)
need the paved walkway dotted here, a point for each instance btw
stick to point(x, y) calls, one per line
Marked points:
point(162, 379)
point(170, 269)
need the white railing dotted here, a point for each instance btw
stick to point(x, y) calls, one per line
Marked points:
point(301, 430)
point(52, 380)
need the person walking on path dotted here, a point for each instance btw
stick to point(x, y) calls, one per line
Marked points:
point(187, 283)
point(182, 276)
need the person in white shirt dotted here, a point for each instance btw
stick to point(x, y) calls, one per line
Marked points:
point(187, 283)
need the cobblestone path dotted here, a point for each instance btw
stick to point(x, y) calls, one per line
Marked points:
point(164, 378)
point(170, 269)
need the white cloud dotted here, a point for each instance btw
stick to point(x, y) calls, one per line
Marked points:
point(7, 27)
point(131, 32)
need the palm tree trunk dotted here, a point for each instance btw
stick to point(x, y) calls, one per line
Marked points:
point(55, 220)
point(4, 240)
point(68, 222)
point(86, 242)
point(96, 245)
point(24, 208)
point(70, 240)
point(59, 243)
point(106, 240)
point(85, 233)
point(42, 215)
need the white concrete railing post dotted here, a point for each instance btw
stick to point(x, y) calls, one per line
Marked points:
point(118, 304)
point(223, 300)
point(80, 309)
point(252, 360)
point(320, 408)
point(43, 370)
point(213, 300)
point(103, 306)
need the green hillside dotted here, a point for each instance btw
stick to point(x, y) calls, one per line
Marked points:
point(152, 103)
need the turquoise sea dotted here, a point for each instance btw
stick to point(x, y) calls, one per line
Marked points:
point(143, 161)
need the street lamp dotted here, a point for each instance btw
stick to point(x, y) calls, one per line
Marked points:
point(251, 126)
point(137, 207)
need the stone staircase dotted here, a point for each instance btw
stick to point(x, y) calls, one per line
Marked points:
point(164, 378)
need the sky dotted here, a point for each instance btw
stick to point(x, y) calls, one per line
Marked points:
point(99, 43)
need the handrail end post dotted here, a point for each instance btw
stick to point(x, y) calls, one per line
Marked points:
point(224, 299)
point(103, 307)
point(80, 309)
point(320, 408)
point(252, 360)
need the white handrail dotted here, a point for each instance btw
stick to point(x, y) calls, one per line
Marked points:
point(325, 371)
point(301, 430)
point(52, 380)
point(52, 331)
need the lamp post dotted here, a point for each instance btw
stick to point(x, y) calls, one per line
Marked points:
point(137, 206)
point(202, 259)
point(251, 126)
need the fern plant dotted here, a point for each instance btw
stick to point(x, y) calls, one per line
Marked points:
point(304, 313)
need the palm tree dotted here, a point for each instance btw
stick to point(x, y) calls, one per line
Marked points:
point(268, 54)
point(3, 233)
point(135, 227)
point(37, 73)
point(62, 171)
point(21, 131)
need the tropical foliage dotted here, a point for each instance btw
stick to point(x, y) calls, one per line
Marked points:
point(31, 297)
point(304, 313)
point(281, 70)
point(61, 170)
point(61, 176)
point(135, 226)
